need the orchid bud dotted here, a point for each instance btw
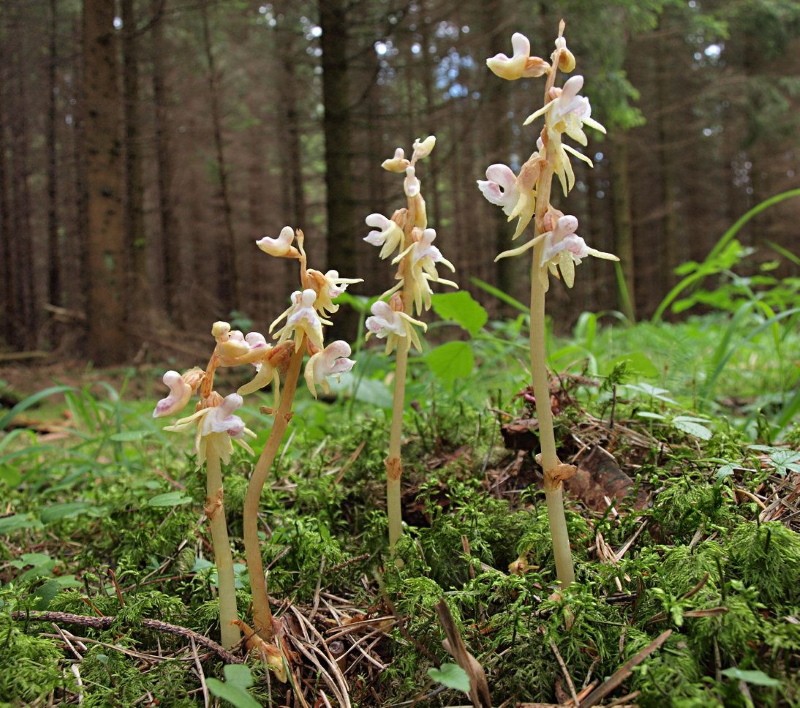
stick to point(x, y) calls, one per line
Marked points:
point(424, 148)
point(398, 163)
point(280, 247)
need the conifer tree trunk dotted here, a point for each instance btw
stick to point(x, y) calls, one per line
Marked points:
point(227, 272)
point(53, 254)
point(343, 221)
point(107, 341)
point(170, 244)
point(135, 240)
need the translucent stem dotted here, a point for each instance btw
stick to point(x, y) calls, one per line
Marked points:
point(394, 463)
point(262, 614)
point(223, 559)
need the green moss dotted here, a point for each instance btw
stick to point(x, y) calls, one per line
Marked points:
point(768, 556)
point(30, 667)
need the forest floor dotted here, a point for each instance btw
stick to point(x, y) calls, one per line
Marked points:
point(684, 520)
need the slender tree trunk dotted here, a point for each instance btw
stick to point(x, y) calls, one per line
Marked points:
point(25, 309)
point(228, 276)
point(623, 226)
point(337, 127)
point(107, 341)
point(6, 265)
point(170, 244)
point(53, 251)
point(135, 239)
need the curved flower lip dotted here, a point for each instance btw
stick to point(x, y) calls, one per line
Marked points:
point(521, 64)
point(500, 187)
point(280, 247)
point(331, 361)
point(301, 315)
point(179, 395)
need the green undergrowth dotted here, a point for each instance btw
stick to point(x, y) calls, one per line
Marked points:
point(106, 518)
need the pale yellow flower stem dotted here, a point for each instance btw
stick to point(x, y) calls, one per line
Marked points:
point(223, 559)
point(394, 463)
point(553, 487)
point(262, 614)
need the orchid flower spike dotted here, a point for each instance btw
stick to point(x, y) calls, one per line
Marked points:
point(521, 64)
point(179, 394)
point(331, 361)
point(280, 247)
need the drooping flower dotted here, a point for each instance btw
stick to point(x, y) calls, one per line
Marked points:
point(217, 427)
point(331, 361)
point(179, 394)
point(301, 317)
point(386, 233)
point(411, 185)
point(390, 324)
point(521, 64)
point(280, 247)
point(500, 187)
point(564, 249)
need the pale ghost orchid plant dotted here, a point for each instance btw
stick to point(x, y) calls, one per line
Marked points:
point(408, 241)
point(556, 246)
point(299, 331)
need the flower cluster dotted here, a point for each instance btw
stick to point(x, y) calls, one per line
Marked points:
point(407, 240)
point(302, 323)
point(565, 112)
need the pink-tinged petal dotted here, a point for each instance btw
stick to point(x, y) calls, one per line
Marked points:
point(500, 187)
point(179, 395)
point(329, 362)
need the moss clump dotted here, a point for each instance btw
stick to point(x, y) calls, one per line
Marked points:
point(768, 556)
point(30, 667)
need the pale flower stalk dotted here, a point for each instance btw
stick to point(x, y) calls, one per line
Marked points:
point(556, 246)
point(408, 241)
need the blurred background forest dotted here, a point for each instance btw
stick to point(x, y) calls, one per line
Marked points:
point(146, 144)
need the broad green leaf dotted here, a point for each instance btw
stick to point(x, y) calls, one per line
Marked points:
point(17, 522)
point(451, 361)
point(692, 426)
point(176, 498)
point(452, 676)
point(10, 475)
point(460, 307)
point(234, 690)
point(754, 676)
point(63, 510)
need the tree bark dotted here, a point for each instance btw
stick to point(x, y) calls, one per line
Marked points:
point(227, 271)
point(135, 237)
point(107, 341)
point(343, 221)
point(53, 251)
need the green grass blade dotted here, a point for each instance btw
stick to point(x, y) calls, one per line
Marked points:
point(500, 295)
point(30, 401)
